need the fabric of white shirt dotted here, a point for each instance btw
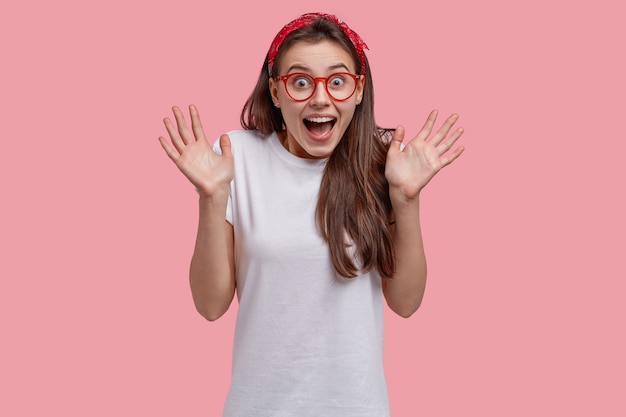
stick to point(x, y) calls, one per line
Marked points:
point(308, 343)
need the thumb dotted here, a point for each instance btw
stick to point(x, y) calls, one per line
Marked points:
point(225, 146)
point(397, 138)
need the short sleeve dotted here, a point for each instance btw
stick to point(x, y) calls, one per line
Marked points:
point(229, 207)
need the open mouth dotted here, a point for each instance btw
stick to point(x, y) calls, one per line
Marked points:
point(319, 126)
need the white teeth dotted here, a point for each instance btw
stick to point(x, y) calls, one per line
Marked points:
point(320, 119)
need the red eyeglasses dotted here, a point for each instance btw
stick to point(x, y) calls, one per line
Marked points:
point(340, 86)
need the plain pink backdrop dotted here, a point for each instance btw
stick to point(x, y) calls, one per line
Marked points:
point(524, 312)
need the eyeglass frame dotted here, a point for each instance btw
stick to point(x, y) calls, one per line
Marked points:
point(316, 81)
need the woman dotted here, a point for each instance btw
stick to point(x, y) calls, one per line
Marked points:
point(322, 223)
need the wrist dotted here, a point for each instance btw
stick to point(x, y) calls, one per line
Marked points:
point(217, 196)
point(399, 196)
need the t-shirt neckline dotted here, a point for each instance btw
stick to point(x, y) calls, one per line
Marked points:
point(285, 155)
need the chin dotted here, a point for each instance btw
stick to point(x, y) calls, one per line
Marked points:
point(322, 150)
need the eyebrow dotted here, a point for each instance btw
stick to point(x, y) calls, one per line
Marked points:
point(301, 67)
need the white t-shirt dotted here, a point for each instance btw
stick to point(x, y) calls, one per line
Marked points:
point(308, 343)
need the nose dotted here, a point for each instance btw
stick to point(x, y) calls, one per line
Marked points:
point(320, 95)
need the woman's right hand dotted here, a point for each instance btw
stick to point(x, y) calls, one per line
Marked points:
point(208, 171)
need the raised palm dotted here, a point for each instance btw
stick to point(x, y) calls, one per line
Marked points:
point(412, 165)
point(208, 171)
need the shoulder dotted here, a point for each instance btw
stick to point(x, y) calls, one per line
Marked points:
point(248, 138)
point(242, 134)
point(245, 140)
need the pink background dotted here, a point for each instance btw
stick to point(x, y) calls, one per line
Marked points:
point(524, 311)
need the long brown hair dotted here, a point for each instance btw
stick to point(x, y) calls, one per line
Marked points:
point(353, 205)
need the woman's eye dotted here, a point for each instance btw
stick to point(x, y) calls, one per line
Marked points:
point(301, 82)
point(336, 81)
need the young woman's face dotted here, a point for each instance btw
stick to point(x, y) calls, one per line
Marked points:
point(315, 126)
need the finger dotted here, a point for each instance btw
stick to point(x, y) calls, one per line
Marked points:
point(174, 136)
point(183, 130)
point(428, 126)
point(196, 124)
point(225, 146)
point(448, 159)
point(447, 144)
point(397, 139)
point(444, 129)
point(169, 150)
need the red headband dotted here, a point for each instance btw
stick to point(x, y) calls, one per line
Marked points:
point(307, 19)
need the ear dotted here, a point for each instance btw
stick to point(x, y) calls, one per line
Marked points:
point(273, 86)
point(360, 86)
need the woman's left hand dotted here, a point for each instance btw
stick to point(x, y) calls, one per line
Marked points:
point(409, 169)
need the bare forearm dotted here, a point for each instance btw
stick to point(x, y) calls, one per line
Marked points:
point(410, 166)
point(211, 274)
point(405, 290)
